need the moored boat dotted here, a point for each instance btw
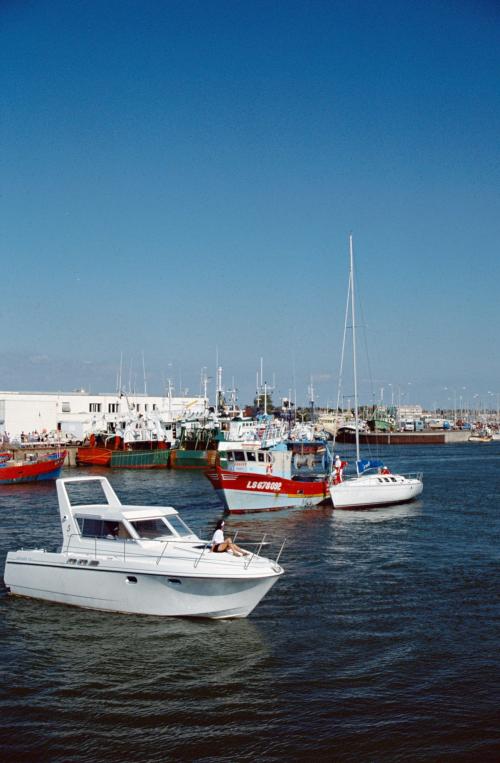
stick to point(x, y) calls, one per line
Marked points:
point(136, 559)
point(366, 489)
point(34, 468)
point(127, 439)
point(255, 479)
point(372, 489)
point(123, 455)
point(196, 446)
point(482, 436)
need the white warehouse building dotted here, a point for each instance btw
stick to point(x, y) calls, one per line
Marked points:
point(72, 412)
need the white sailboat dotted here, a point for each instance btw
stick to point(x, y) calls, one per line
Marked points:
point(369, 488)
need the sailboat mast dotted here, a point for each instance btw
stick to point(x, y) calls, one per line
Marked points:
point(355, 372)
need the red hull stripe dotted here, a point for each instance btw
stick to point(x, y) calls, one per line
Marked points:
point(262, 483)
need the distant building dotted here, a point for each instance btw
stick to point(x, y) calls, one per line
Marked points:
point(410, 411)
point(73, 411)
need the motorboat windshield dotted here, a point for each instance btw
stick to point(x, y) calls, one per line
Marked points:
point(161, 527)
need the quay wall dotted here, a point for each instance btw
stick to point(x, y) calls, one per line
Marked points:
point(374, 438)
point(441, 437)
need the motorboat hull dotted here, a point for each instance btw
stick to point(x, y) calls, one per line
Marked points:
point(373, 491)
point(245, 492)
point(41, 575)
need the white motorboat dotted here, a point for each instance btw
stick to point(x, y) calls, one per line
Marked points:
point(374, 489)
point(136, 559)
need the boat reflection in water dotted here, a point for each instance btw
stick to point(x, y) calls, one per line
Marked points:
point(381, 514)
point(136, 559)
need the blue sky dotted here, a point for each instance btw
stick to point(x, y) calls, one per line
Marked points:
point(179, 180)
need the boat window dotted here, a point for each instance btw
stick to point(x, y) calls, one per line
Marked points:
point(99, 528)
point(239, 455)
point(230, 455)
point(251, 457)
point(393, 479)
point(151, 528)
point(380, 479)
point(261, 457)
point(179, 526)
point(86, 493)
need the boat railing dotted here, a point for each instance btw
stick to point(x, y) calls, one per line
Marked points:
point(375, 473)
point(198, 560)
point(280, 551)
point(161, 555)
point(255, 553)
point(95, 538)
point(124, 541)
point(414, 475)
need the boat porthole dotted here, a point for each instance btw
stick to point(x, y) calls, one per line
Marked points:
point(131, 579)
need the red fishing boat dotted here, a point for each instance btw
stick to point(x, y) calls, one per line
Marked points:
point(33, 468)
point(254, 479)
point(114, 452)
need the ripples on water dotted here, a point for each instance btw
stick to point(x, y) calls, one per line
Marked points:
point(378, 644)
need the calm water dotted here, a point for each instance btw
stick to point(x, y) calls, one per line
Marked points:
point(378, 644)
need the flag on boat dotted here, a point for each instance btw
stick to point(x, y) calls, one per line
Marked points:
point(368, 463)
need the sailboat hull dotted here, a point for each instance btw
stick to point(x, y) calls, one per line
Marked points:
point(367, 492)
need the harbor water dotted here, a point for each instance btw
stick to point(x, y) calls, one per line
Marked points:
point(380, 642)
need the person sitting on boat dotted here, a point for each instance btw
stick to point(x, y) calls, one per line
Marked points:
point(113, 530)
point(219, 543)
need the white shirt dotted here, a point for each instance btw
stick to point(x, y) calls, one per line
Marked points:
point(218, 537)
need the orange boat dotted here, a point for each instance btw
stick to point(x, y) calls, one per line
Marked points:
point(115, 453)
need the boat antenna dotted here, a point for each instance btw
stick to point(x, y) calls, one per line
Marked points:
point(120, 373)
point(144, 375)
